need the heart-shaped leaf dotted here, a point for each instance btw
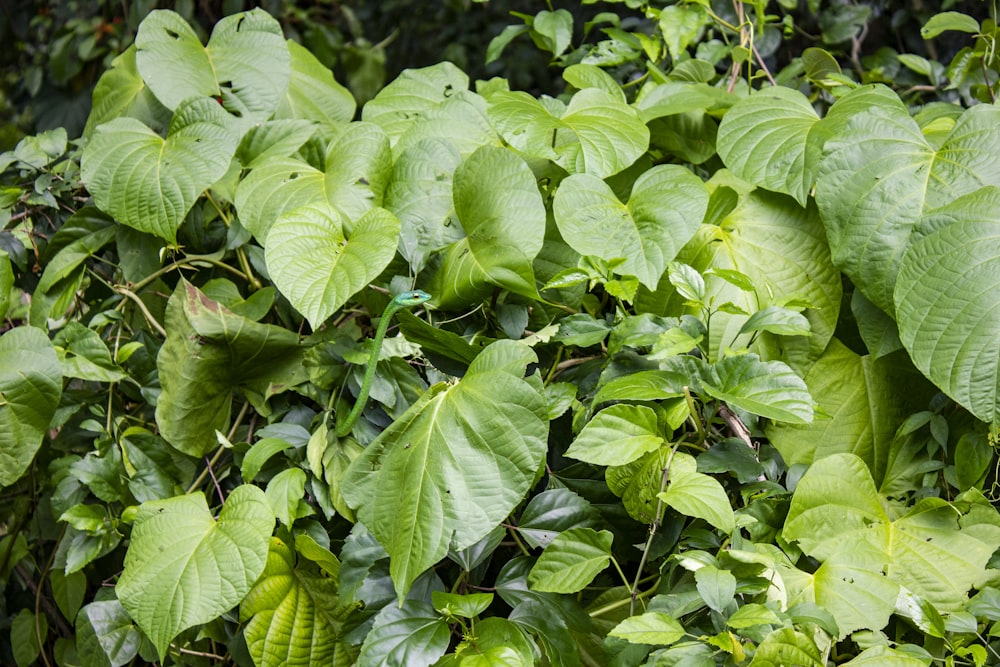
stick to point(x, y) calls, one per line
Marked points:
point(316, 268)
point(150, 183)
point(665, 210)
point(947, 294)
point(245, 65)
point(121, 92)
point(30, 388)
point(183, 567)
point(313, 93)
point(454, 465)
point(411, 95)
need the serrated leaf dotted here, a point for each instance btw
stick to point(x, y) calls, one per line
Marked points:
point(880, 174)
point(208, 354)
point(762, 139)
point(183, 567)
point(767, 388)
point(639, 482)
point(316, 268)
point(454, 464)
point(596, 133)
point(30, 389)
point(290, 612)
point(150, 183)
point(245, 65)
point(946, 295)
point(617, 435)
point(654, 627)
point(664, 211)
point(571, 561)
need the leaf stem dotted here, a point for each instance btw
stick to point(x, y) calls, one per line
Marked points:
point(653, 527)
point(124, 291)
point(218, 452)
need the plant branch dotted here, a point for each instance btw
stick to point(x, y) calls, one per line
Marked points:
point(653, 528)
point(142, 307)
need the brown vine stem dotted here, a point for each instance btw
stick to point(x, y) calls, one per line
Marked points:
point(661, 508)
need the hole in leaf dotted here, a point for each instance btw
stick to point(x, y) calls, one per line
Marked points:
point(172, 34)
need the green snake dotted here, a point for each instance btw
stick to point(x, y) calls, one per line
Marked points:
point(400, 301)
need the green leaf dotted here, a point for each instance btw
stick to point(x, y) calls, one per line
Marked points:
point(30, 389)
point(412, 95)
point(694, 494)
point(762, 139)
point(752, 614)
point(571, 561)
point(885, 656)
point(944, 21)
point(681, 25)
point(555, 29)
point(409, 634)
point(767, 388)
point(106, 635)
point(777, 320)
point(316, 268)
point(284, 491)
point(639, 482)
point(151, 183)
point(357, 167)
point(617, 435)
point(859, 407)
point(209, 353)
point(553, 511)
point(663, 213)
point(25, 629)
point(596, 133)
point(290, 612)
point(653, 627)
point(121, 92)
point(497, 643)
point(880, 174)
point(465, 606)
point(717, 587)
point(259, 453)
point(273, 139)
point(787, 646)
point(6, 282)
point(454, 464)
point(946, 297)
point(245, 65)
point(501, 211)
point(184, 568)
point(313, 93)
point(83, 354)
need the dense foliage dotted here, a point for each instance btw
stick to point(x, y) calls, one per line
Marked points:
point(709, 374)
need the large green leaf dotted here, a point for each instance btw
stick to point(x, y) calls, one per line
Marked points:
point(316, 268)
point(358, 164)
point(30, 388)
point(501, 211)
point(880, 174)
point(412, 95)
point(663, 213)
point(571, 561)
point(183, 567)
point(596, 133)
point(762, 139)
point(409, 634)
point(313, 93)
point(121, 92)
point(859, 408)
point(245, 65)
point(617, 435)
point(695, 494)
point(209, 353)
point(782, 249)
point(948, 302)
point(935, 550)
point(454, 465)
point(767, 388)
point(150, 183)
point(289, 612)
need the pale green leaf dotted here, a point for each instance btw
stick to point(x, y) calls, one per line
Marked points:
point(777, 320)
point(316, 268)
point(106, 635)
point(209, 353)
point(767, 388)
point(290, 612)
point(752, 614)
point(654, 627)
point(946, 302)
point(639, 482)
point(284, 491)
point(664, 211)
point(454, 465)
point(681, 25)
point(258, 455)
point(30, 389)
point(787, 646)
point(121, 92)
point(273, 139)
point(880, 174)
point(411, 95)
point(571, 561)
point(313, 93)
point(762, 139)
point(717, 587)
point(245, 65)
point(150, 183)
point(469, 605)
point(184, 568)
point(943, 21)
point(617, 435)
point(697, 495)
point(886, 656)
point(555, 28)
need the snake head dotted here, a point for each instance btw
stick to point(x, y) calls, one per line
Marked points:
point(412, 298)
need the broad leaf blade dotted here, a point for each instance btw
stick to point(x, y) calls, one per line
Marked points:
point(767, 388)
point(617, 435)
point(454, 465)
point(30, 388)
point(409, 634)
point(695, 494)
point(571, 561)
point(184, 568)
